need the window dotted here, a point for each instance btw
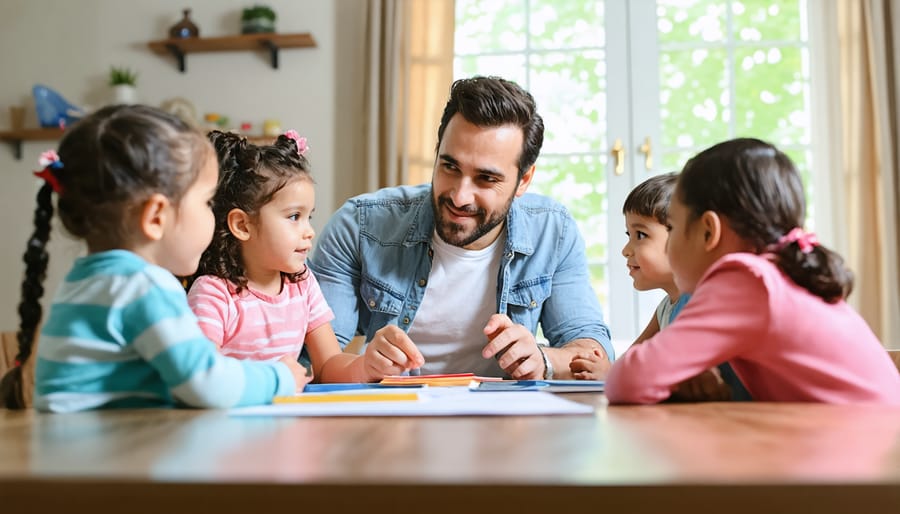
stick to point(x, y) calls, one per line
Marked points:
point(658, 80)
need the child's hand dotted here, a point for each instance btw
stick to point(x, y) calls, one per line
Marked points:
point(302, 376)
point(705, 387)
point(589, 366)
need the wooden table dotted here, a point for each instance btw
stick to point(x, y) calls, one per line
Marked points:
point(723, 458)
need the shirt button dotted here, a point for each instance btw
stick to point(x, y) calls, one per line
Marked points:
point(371, 303)
point(406, 321)
point(422, 282)
point(533, 303)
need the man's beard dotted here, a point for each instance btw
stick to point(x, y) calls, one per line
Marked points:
point(454, 233)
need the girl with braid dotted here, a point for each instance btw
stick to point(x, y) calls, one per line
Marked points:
point(135, 184)
point(766, 297)
point(255, 296)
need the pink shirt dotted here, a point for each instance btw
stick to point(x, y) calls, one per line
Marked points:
point(256, 326)
point(784, 343)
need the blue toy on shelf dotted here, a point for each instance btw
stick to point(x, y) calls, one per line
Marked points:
point(53, 110)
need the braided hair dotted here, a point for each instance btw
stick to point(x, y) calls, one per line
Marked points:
point(109, 163)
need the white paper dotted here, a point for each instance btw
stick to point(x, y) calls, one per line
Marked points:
point(435, 401)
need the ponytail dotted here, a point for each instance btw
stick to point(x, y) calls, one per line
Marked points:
point(12, 389)
point(820, 271)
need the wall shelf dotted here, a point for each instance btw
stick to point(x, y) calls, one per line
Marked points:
point(272, 42)
point(16, 137)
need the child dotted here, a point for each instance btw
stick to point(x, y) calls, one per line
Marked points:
point(135, 184)
point(766, 297)
point(646, 214)
point(256, 298)
point(646, 211)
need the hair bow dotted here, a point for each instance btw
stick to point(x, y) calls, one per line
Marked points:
point(301, 141)
point(805, 240)
point(49, 161)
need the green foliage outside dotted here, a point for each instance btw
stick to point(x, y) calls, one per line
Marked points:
point(726, 69)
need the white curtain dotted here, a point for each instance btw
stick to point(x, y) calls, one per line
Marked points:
point(409, 67)
point(869, 139)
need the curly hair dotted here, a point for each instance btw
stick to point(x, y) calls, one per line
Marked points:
point(112, 161)
point(249, 177)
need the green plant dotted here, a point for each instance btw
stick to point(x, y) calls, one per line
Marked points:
point(257, 12)
point(122, 76)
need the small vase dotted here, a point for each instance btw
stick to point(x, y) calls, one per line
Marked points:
point(124, 94)
point(185, 27)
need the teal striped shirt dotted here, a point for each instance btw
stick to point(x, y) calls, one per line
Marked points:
point(120, 333)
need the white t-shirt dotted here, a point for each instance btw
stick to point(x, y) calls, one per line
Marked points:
point(460, 297)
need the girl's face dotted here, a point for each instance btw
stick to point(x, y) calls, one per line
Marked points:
point(688, 256)
point(645, 253)
point(281, 234)
point(193, 223)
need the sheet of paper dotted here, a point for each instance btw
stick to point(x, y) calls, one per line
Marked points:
point(445, 401)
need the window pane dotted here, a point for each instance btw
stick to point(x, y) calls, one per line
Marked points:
point(767, 20)
point(771, 94)
point(694, 101)
point(691, 21)
point(554, 24)
point(575, 122)
point(579, 183)
point(511, 67)
point(485, 27)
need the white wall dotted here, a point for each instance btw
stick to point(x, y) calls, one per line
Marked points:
point(70, 46)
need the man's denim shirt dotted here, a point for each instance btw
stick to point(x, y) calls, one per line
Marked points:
point(373, 260)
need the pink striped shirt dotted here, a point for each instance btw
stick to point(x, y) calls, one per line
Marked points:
point(256, 326)
point(784, 343)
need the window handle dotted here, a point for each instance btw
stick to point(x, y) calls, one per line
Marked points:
point(618, 153)
point(647, 150)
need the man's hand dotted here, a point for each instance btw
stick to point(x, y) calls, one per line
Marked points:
point(391, 352)
point(514, 348)
point(705, 387)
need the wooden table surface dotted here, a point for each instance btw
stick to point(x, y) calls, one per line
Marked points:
point(716, 457)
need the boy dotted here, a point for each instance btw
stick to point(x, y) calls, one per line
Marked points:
point(646, 211)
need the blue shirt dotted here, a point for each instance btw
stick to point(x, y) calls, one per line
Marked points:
point(120, 334)
point(373, 261)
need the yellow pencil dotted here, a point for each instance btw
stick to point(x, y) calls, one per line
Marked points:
point(332, 398)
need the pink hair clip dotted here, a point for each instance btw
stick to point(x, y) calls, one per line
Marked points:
point(49, 161)
point(301, 141)
point(805, 240)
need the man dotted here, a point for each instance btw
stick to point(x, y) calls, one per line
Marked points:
point(455, 276)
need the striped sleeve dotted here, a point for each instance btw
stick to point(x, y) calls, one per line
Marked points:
point(166, 335)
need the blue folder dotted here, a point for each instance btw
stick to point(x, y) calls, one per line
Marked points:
point(552, 386)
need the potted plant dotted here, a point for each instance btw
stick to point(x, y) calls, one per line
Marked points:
point(123, 81)
point(257, 19)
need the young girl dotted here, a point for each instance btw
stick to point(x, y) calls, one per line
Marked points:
point(766, 297)
point(135, 184)
point(256, 298)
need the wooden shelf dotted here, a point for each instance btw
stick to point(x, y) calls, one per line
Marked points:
point(17, 137)
point(180, 47)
